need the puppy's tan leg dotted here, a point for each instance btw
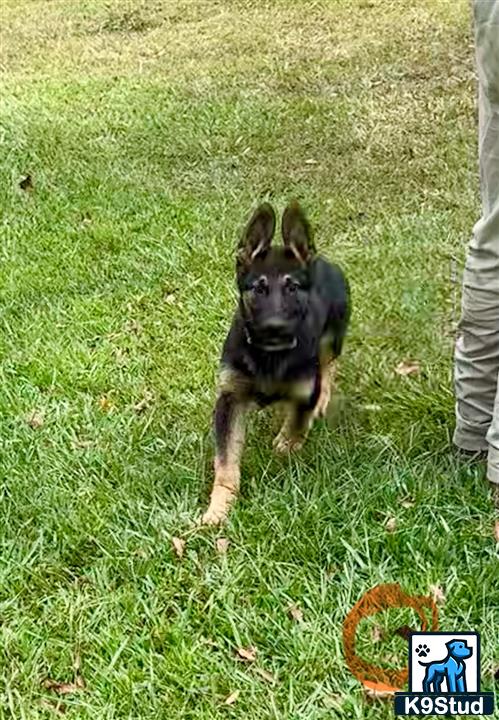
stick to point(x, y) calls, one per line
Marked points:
point(229, 437)
point(299, 416)
point(295, 427)
point(328, 374)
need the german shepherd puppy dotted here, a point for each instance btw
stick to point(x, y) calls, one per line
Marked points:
point(287, 331)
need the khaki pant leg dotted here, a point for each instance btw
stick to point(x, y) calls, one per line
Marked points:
point(477, 347)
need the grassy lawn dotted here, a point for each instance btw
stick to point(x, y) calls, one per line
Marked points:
point(150, 130)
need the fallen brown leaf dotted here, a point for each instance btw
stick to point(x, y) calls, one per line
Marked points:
point(231, 699)
point(77, 662)
point(133, 326)
point(407, 502)
point(377, 633)
point(178, 546)
point(334, 700)
point(222, 545)
point(408, 367)
point(248, 654)
point(105, 403)
point(86, 219)
point(120, 356)
point(63, 688)
point(144, 403)
point(437, 594)
point(330, 572)
point(56, 707)
point(295, 613)
point(496, 531)
point(79, 444)
point(391, 525)
point(265, 675)
point(35, 419)
point(26, 183)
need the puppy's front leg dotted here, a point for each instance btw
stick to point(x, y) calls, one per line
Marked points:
point(327, 374)
point(294, 430)
point(229, 438)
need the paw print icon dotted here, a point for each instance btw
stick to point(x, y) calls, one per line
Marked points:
point(422, 650)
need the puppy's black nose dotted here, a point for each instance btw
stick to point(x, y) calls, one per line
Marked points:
point(274, 326)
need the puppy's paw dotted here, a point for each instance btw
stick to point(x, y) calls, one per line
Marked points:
point(218, 509)
point(214, 516)
point(283, 443)
point(320, 410)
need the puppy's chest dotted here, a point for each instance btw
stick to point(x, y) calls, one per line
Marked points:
point(267, 390)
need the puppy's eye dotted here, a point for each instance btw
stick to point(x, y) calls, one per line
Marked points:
point(260, 286)
point(290, 284)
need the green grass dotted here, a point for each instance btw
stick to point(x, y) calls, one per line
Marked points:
point(151, 130)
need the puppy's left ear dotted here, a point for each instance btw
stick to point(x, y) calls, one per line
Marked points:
point(257, 236)
point(296, 233)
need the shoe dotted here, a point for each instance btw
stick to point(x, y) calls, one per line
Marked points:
point(470, 455)
point(494, 489)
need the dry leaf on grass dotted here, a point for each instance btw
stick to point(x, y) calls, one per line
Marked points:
point(178, 546)
point(231, 699)
point(144, 403)
point(120, 356)
point(377, 633)
point(437, 594)
point(105, 403)
point(63, 688)
point(496, 531)
point(407, 502)
point(170, 299)
point(266, 675)
point(26, 183)
point(35, 419)
point(391, 525)
point(56, 707)
point(79, 444)
point(248, 654)
point(334, 701)
point(222, 545)
point(77, 663)
point(408, 367)
point(133, 327)
point(295, 613)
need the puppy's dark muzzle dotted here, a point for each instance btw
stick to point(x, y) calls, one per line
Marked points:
point(272, 335)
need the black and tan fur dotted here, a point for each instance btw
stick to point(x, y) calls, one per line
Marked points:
point(286, 333)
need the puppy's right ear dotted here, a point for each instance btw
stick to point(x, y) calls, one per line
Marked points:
point(257, 236)
point(296, 233)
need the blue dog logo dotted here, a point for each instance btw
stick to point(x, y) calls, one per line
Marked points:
point(452, 668)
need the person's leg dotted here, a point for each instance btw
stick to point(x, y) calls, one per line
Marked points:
point(493, 439)
point(477, 347)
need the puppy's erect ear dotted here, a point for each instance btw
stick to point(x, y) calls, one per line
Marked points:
point(257, 236)
point(296, 233)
